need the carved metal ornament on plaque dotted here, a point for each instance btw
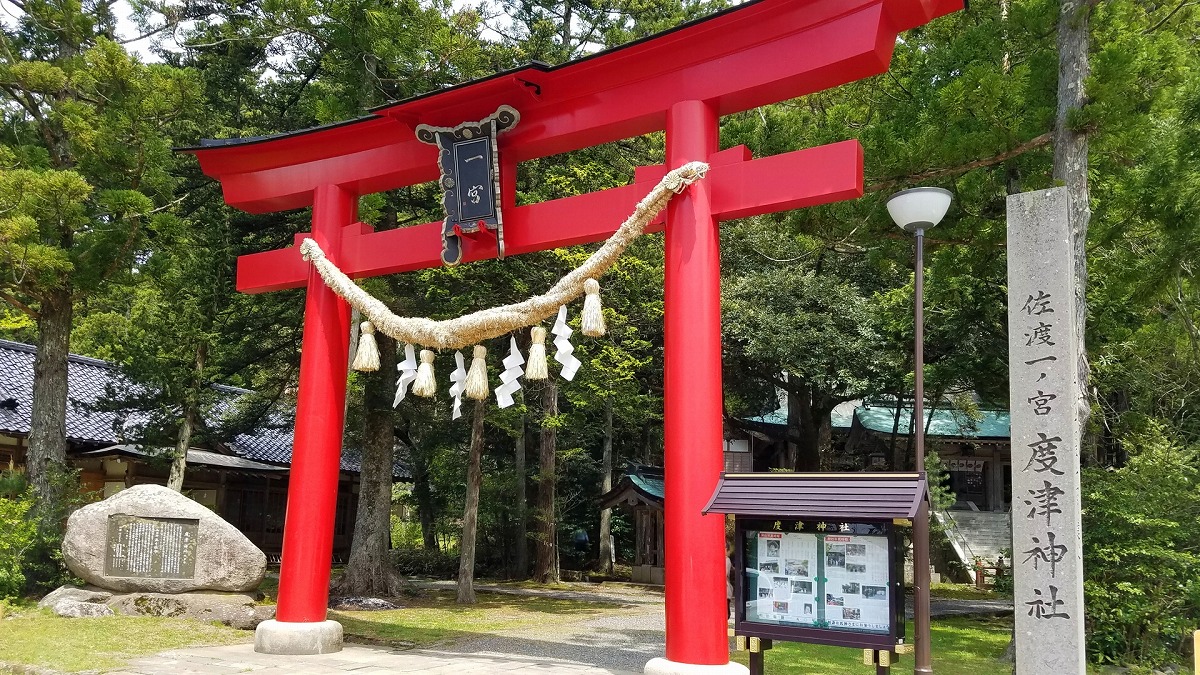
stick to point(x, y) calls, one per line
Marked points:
point(153, 548)
point(470, 178)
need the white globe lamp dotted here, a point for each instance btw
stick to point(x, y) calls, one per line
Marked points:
point(919, 208)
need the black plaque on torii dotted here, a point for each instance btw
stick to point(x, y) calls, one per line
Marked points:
point(470, 180)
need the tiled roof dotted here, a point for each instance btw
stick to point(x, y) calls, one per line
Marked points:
point(87, 381)
point(194, 458)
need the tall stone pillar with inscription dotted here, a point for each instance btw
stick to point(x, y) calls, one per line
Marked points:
point(1044, 387)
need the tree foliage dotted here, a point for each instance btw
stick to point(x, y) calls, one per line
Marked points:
point(1142, 551)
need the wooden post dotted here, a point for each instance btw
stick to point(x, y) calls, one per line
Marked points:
point(221, 494)
point(660, 553)
point(758, 650)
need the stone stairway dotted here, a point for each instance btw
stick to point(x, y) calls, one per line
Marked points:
point(978, 534)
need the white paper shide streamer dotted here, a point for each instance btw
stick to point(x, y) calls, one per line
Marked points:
point(459, 380)
point(408, 373)
point(565, 353)
point(511, 375)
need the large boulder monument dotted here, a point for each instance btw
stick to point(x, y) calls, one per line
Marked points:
point(151, 550)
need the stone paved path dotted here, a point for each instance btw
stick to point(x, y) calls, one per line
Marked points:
point(357, 659)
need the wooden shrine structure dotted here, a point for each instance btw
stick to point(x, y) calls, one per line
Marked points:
point(640, 491)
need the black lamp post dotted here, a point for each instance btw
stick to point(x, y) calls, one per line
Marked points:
point(915, 211)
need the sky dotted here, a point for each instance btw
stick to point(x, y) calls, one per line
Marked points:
point(126, 29)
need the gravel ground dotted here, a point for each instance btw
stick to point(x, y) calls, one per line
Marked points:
point(620, 643)
point(626, 594)
point(649, 595)
point(943, 608)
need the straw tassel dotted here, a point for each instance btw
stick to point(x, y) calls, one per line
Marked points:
point(425, 384)
point(366, 357)
point(592, 319)
point(477, 382)
point(535, 368)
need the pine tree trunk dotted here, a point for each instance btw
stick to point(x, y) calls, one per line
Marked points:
point(47, 456)
point(546, 564)
point(808, 457)
point(522, 558)
point(824, 425)
point(423, 493)
point(897, 454)
point(1071, 163)
point(466, 556)
point(565, 30)
point(606, 468)
point(183, 441)
point(369, 570)
point(187, 425)
point(793, 432)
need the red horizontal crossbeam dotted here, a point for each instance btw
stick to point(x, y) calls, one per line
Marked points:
point(757, 53)
point(741, 187)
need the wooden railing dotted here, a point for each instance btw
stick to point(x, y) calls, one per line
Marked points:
point(986, 575)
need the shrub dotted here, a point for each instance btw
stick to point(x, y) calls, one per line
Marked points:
point(1004, 583)
point(31, 533)
point(421, 562)
point(18, 534)
point(44, 567)
point(1142, 552)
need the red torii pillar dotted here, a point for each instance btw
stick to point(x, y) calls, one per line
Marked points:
point(693, 400)
point(751, 55)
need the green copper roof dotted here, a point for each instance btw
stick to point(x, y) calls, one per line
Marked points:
point(652, 485)
point(880, 418)
point(641, 484)
point(842, 416)
point(992, 424)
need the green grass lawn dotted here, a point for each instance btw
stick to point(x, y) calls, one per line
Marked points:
point(961, 646)
point(35, 637)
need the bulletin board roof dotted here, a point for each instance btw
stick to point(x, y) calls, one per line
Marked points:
point(845, 496)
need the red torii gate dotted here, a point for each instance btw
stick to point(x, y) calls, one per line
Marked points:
point(681, 81)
